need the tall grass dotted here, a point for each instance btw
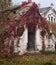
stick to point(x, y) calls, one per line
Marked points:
point(31, 60)
point(52, 26)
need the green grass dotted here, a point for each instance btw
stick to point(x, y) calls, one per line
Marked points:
point(38, 59)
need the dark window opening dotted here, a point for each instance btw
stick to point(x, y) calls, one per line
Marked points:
point(52, 19)
point(49, 18)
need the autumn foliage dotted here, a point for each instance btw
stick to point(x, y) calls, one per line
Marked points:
point(52, 27)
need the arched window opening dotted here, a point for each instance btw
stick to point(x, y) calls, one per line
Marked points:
point(49, 18)
point(52, 19)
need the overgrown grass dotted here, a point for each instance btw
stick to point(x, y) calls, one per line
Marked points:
point(37, 59)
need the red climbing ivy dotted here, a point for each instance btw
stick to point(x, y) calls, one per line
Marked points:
point(31, 18)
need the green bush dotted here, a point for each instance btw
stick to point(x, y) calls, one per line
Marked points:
point(48, 52)
point(47, 63)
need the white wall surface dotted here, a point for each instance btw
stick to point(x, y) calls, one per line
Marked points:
point(38, 41)
point(22, 46)
point(52, 14)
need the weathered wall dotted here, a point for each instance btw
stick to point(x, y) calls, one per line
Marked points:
point(22, 46)
point(23, 42)
point(38, 41)
point(50, 43)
